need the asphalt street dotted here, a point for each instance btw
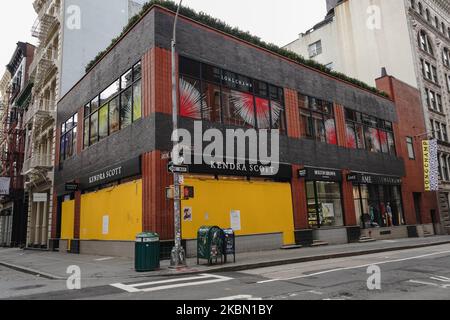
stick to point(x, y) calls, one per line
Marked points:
point(422, 273)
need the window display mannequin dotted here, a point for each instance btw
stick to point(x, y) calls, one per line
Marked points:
point(389, 215)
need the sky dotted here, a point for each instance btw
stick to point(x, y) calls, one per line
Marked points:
point(276, 21)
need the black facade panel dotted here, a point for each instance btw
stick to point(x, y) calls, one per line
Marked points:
point(154, 132)
point(201, 44)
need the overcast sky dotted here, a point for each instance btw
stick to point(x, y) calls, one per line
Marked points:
point(277, 21)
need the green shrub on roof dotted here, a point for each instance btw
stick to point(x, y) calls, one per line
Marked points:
point(212, 22)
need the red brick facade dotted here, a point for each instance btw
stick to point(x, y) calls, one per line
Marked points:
point(411, 123)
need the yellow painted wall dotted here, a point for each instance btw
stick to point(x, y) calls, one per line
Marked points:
point(266, 207)
point(123, 205)
point(67, 219)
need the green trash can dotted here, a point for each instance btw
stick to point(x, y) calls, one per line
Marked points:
point(147, 249)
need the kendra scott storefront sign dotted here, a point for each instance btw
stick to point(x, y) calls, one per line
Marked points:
point(113, 173)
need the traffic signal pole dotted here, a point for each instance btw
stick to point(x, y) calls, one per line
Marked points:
point(177, 256)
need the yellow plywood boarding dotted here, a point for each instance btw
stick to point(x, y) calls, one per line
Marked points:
point(113, 214)
point(67, 219)
point(264, 207)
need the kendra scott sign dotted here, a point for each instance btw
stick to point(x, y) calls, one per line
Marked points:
point(430, 165)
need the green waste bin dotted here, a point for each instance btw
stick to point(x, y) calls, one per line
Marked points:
point(147, 249)
point(210, 244)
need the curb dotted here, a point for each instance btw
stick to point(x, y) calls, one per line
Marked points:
point(30, 271)
point(274, 263)
point(234, 268)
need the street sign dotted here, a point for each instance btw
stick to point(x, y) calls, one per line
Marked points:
point(177, 169)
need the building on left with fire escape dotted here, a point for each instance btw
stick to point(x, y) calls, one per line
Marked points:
point(69, 35)
point(16, 96)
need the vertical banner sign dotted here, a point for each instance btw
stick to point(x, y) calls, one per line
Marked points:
point(4, 186)
point(430, 165)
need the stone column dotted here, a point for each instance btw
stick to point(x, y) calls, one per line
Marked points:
point(44, 223)
point(37, 226)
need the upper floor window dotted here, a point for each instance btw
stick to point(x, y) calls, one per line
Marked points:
point(427, 15)
point(420, 8)
point(68, 140)
point(315, 49)
point(370, 133)
point(446, 57)
point(424, 42)
point(429, 71)
point(212, 94)
point(413, 4)
point(114, 108)
point(434, 100)
point(317, 119)
point(410, 147)
point(436, 22)
point(439, 130)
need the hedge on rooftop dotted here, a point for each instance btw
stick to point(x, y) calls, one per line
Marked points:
point(212, 22)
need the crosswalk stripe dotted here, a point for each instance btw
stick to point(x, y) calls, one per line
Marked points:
point(171, 284)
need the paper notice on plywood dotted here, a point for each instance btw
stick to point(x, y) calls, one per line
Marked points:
point(105, 225)
point(235, 220)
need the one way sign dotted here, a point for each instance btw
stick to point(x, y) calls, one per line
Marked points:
point(177, 169)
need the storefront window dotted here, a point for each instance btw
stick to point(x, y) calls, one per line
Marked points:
point(217, 95)
point(94, 128)
point(324, 204)
point(370, 133)
point(237, 108)
point(126, 106)
point(211, 94)
point(120, 104)
point(103, 122)
point(137, 101)
point(114, 122)
point(317, 119)
point(262, 113)
point(86, 133)
point(378, 206)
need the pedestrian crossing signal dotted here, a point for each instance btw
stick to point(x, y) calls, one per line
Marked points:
point(188, 192)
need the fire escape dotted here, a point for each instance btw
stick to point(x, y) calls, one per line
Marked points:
point(12, 141)
point(43, 108)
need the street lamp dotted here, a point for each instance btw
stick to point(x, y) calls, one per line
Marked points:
point(177, 256)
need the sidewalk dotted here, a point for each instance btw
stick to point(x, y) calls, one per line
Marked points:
point(53, 265)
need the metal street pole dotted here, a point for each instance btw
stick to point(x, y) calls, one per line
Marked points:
point(177, 257)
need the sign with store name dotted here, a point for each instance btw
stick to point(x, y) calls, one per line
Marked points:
point(4, 186)
point(430, 165)
point(71, 187)
point(112, 173)
point(279, 172)
point(234, 79)
point(40, 197)
point(319, 174)
point(363, 178)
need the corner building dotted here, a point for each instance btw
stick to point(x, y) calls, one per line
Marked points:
point(114, 128)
